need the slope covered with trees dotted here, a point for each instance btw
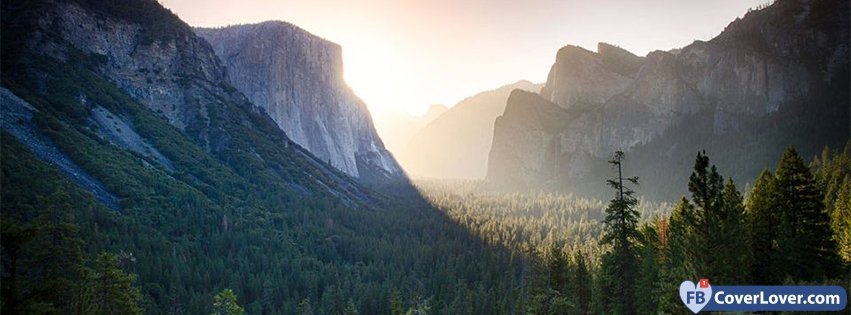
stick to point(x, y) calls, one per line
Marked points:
point(239, 207)
point(629, 257)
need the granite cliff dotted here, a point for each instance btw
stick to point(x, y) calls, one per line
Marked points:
point(776, 77)
point(297, 78)
point(70, 55)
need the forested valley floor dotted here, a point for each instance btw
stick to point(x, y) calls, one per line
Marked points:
point(627, 256)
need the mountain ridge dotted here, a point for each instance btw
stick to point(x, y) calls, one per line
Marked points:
point(741, 86)
point(456, 143)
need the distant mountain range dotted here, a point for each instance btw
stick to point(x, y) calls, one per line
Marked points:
point(779, 76)
point(397, 128)
point(456, 143)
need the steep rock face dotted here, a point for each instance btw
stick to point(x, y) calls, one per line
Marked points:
point(157, 73)
point(297, 78)
point(457, 143)
point(151, 55)
point(581, 77)
point(533, 123)
point(776, 77)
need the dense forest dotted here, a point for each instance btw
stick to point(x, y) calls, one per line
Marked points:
point(253, 222)
point(231, 217)
point(628, 256)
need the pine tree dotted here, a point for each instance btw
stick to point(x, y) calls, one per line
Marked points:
point(704, 218)
point(621, 232)
point(832, 170)
point(557, 268)
point(56, 260)
point(730, 238)
point(647, 297)
point(806, 251)
point(841, 221)
point(396, 307)
point(675, 262)
point(224, 303)
point(762, 219)
point(582, 284)
point(111, 289)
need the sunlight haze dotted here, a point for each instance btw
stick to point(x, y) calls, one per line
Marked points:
point(405, 55)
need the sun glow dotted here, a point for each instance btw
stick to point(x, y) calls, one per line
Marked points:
point(403, 56)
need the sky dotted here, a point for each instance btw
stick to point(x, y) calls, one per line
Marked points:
point(403, 55)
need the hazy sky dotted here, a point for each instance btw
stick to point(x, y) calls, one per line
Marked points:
point(403, 55)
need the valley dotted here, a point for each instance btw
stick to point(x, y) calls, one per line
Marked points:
point(150, 166)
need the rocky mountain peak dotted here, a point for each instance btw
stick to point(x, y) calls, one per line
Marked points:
point(297, 78)
point(775, 77)
point(580, 77)
point(619, 60)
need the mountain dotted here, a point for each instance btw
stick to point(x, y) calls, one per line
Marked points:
point(456, 144)
point(776, 77)
point(297, 79)
point(397, 128)
point(123, 137)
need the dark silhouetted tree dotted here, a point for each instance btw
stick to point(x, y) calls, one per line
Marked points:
point(762, 230)
point(621, 232)
point(806, 250)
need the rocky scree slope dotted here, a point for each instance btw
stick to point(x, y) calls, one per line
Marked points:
point(158, 61)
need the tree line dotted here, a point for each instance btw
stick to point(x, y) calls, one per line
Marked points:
point(791, 228)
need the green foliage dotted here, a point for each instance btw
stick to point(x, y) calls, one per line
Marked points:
point(110, 289)
point(304, 307)
point(832, 170)
point(806, 250)
point(257, 215)
point(713, 224)
point(717, 219)
point(621, 232)
point(762, 221)
point(224, 303)
point(45, 269)
point(396, 307)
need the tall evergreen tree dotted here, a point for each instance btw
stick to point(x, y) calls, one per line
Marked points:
point(714, 225)
point(841, 221)
point(762, 220)
point(111, 289)
point(730, 238)
point(704, 218)
point(557, 268)
point(396, 304)
point(675, 262)
point(832, 170)
point(56, 259)
point(621, 232)
point(647, 295)
point(224, 303)
point(806, 249)
point(582, 284)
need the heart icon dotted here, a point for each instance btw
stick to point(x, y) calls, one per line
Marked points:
point(694, 297)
